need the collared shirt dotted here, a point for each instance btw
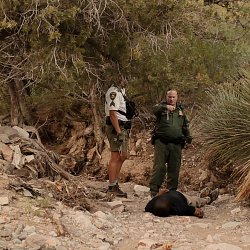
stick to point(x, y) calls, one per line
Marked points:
point(114, 100)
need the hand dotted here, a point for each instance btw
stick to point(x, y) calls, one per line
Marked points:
point(162, 191)
point(198, 213)
point(121, 137)
point(170, 108)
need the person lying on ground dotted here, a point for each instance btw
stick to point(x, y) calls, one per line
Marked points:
point(173, 202)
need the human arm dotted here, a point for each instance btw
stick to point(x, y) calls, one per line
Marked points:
point(114, 120)
point(191, 211)
point(158, 109)
point(115, 123)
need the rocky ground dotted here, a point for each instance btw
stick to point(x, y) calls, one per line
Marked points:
point(31, 217)
point(44, 223)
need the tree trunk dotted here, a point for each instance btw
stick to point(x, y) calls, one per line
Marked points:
point(15, 112)
point(22, 93)
point(20, 113)
point(99, 136)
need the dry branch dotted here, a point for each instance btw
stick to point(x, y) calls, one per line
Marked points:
point(47, 158)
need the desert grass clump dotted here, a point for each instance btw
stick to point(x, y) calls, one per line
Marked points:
point(225, 131)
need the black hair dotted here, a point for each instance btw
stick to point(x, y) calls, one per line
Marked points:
point(159, 206)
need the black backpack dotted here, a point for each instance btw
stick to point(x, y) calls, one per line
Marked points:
point(131, 110)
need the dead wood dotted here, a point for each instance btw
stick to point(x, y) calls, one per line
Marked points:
point(46, 162)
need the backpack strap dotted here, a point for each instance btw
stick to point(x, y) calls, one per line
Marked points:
point(121, 112)
point(125, 98)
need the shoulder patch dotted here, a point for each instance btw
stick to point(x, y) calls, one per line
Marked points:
point(180, 112)
point(112, 95)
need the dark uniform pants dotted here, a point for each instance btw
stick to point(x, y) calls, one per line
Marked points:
point(167, 159)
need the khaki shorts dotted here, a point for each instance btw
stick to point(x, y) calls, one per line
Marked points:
point(115, 146)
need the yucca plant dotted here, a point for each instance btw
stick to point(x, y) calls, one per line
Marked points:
point(225, 130)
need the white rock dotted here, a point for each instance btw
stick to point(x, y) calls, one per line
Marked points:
point(210, 239)
point(104, 247)
point(53, 233)
point(34, 240)
point(6, 232)
point(223, 198)
point(4, 200)
point(17, 156)
point(147, 216)
point(4, 138)
point(201, 225)
point(114, 204)
point(222, 246)
point(29, 229)
point(102, 224)
point(141, 190)
point(10, 132)
point(231, 224)
point(23, 133)
point(85, 221)
point(235, 211)
point(27, 159)
point(204, 175)
point(27, 193)
point(17, 241)
point(100, 214)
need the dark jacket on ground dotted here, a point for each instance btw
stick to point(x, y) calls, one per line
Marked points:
point(178, 204)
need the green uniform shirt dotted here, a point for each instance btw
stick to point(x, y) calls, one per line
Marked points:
point(170, 125)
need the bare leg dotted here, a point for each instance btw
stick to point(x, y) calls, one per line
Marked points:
point(114, 165)
point(122, 158)
point(114, 168)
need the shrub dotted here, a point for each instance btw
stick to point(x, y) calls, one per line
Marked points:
point(225, 130)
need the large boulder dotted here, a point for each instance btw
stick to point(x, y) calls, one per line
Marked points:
point(9, 131)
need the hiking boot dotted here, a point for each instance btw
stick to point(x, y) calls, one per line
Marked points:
point(213, 195)
point(115, 190)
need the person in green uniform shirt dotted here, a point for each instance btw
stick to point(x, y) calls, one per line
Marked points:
point(171, 133)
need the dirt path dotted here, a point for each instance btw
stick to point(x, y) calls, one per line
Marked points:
point(39, 223)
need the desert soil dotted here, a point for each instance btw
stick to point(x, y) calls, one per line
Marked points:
point(44, 223)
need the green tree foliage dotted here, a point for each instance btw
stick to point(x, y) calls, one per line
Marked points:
point(69, 51)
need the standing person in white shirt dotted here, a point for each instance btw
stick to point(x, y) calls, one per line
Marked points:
point(117, 130)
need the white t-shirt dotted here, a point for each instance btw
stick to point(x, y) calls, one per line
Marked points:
point(114, 100)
